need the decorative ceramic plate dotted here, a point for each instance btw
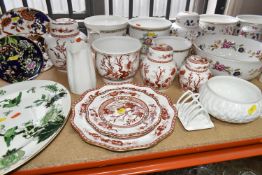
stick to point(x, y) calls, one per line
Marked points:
point(32, 113)
point(142, 96)
point(24, 20)
point(40, 42)
point(30, 23)
point(20, 59)
point(120, 112)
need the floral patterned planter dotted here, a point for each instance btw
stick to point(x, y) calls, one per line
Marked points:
point(146, 29)
point(218, 24)
point(117, 58)
point(250, 26)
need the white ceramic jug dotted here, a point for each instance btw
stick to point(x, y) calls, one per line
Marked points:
point(80, 67)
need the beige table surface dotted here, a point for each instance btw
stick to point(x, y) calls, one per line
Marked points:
point(69, 148)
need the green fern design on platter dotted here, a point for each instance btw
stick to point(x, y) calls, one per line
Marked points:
point(2, 92)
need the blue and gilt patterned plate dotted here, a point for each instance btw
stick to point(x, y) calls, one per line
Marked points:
point(24, 20)
point(20, 59)
point(30, 23)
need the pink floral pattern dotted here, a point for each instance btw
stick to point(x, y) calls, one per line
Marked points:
point(226, 44)
point(222, 68)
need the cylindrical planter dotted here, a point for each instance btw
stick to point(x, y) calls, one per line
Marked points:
point(147, 28)
point(250, 26)
point(218, 24)
point(117, 58)
point(187, 19)
point(105, 25)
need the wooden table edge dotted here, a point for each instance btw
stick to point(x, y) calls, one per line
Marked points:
point(160, 161)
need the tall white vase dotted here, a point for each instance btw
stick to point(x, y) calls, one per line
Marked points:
point(80, 67)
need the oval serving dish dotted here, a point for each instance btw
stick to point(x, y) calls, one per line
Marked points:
point(32, 113)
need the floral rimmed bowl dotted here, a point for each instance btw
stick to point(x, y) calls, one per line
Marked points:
point(20, 59)
point(147, 28)
point(250, 26)
point(117, 58)
point(231, 99)
point(218, 24)
point(231, 55)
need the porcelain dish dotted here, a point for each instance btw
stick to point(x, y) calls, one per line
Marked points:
point(21, 59)
point(181, 47)
point(231, 99)
point(117, 57)
point(231, 55)
point(39, 40)
point(250, 19)
point(250, 26)
point(32, 113)
point(187, 19)
point(121, 115)
point(24, 20)
point(105, 25)
point(147, 28)
point(218, 24)
point(30, 23)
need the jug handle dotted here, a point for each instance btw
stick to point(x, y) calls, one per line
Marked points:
point(93, 35)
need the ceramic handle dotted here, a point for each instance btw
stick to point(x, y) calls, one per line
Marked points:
point(93, 35)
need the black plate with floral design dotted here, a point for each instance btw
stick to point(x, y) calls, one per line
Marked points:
point(20, 59)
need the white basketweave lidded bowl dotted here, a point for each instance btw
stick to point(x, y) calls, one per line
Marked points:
point(231, 99)
point(117, 58)
point(231, 55)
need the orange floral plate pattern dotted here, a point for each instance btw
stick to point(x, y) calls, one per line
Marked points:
point(120, 112)
point(119, 106)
